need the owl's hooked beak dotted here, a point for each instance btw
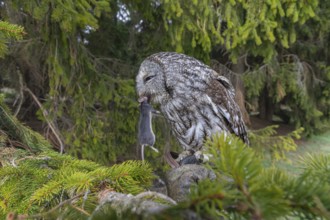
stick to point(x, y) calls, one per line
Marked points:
point(142, 99)
point(145, 98)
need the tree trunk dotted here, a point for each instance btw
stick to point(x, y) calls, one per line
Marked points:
point(239, 68)
point(266, 107)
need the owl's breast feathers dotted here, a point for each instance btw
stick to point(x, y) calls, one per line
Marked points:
point(207, 108)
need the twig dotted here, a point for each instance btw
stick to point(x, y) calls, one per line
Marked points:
point(12, 162)
point(33, 157)
point(85, 198)
point(247, 64)
point(196, 201)
point(81, 210)
point(256, 215)
point(16, 144)
point(155, 194)
point(169, 159)
point(21, 94)
point(45, 114)
point(40, 215)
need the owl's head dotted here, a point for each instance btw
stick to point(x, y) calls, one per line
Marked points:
point(150, 82)
point(165, 75)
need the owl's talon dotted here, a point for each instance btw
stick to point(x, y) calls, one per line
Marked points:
point(202, 157)
point(184, 154)
point(191, 157)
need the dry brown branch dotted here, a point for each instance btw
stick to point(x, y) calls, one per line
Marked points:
point(42, 215)
point(50, 123)
point(81, 210)
point(21, 94)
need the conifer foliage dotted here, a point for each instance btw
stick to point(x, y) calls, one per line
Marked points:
point(8, 32)
point(83, 95)
point(246, 189)
point(90, 101)
point(36, 179)
point(41, 184)
point(80, 58)
point(255, 27)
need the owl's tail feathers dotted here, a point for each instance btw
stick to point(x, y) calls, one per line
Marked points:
point(245, 138)
point(241, 132)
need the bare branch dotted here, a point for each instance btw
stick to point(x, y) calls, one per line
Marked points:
point(50, 123)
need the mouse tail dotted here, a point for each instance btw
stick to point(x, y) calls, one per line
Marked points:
point(142, 152)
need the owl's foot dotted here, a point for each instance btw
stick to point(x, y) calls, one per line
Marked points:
point(154, 149)
point(184, 154)
point(202, 157)
point(191, 157)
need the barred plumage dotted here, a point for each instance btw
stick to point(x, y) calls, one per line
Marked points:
point(194, 99)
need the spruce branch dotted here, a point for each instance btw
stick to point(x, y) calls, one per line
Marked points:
point(7, 32)
point(217, 196)
point(81, 210)
point(250, 190)
point(18, 132)
point(11, 30)
point(266, 140)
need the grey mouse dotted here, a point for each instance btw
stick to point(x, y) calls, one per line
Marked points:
point(146, 136)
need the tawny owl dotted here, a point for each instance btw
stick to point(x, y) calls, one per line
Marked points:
point(195, 100)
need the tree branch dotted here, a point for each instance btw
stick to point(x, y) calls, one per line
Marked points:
point(50, 123)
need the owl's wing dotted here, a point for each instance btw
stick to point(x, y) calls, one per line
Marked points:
point(227, 84)
point(222, 94)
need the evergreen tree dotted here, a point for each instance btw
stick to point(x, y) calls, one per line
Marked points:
point(80, 58)
point(81, 95)
point(75, 69)
point(296, 81)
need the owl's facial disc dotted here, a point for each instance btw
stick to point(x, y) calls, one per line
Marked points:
point(148, 81)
